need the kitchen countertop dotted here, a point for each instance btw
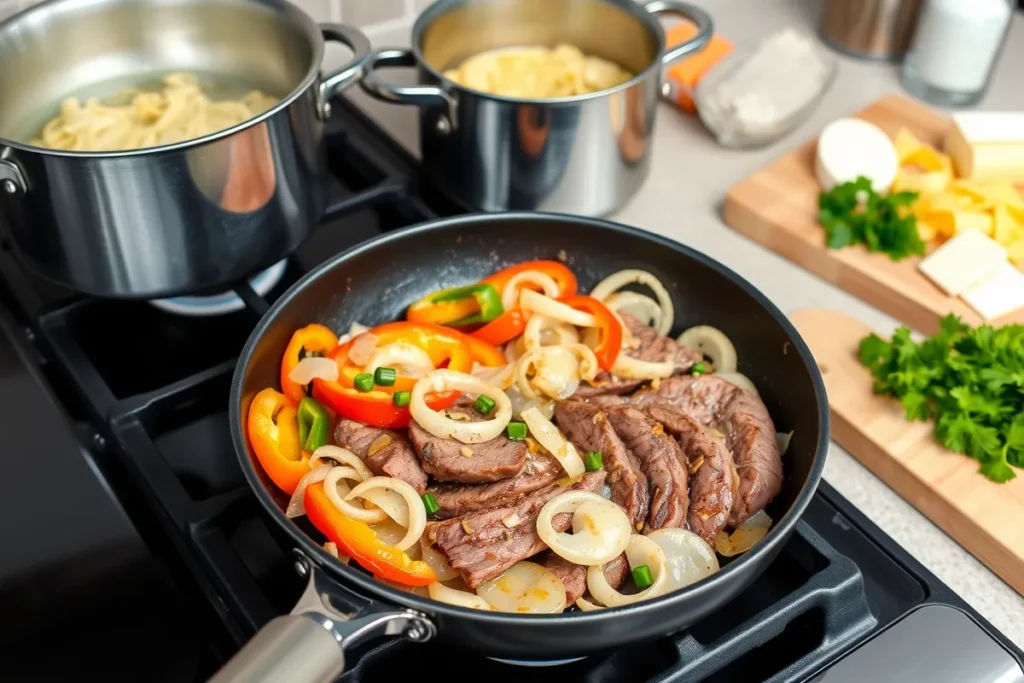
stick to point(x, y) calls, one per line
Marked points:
point(682, 199)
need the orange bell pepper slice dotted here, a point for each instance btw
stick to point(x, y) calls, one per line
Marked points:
point(273, 428)
point(310, 340)
point(504, 328)
point(610, 331)
point(357, 540)
point(557, 271)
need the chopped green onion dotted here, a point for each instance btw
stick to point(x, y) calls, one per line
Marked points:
point(642, 576)
point(430, 503)
point(401, 398)
point(698, 369)
point(363, 382)
point(385, 377)
point(592, 461)
point(516, 431)
point(483, 404)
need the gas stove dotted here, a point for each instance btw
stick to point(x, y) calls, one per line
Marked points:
point(146, 390)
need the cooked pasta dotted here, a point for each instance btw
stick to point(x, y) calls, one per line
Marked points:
point(538, 72)
point(180, 111)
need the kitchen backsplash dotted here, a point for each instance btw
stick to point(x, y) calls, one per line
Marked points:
point(373, 16)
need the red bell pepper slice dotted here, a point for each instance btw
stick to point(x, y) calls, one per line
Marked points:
point(504, 328)
point(557, 271)
point(609, 330)
point(273, 429)
point(310, 340)
point(357, 540)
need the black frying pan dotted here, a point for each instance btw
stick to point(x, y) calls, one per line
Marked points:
point(372, 284)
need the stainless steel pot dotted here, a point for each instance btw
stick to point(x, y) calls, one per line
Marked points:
point(178, 218)
point(584, 155)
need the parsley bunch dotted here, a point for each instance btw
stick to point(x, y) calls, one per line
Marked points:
point(853, 213)
point(970, 381)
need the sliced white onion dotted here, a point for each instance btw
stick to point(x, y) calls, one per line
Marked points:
point(336, 455)
point(392, 533)
point(545, 305)
point(641, 551)
point(600, 528)
point(544, 331)
point(442, 593)
point(740, 380)
point(617, 281)
point(332, 549)
point(554, 370)
point(510, 294)
point(413, 517)
point(713, 343)
point(336, 490)
point(588, 365)
point(415, 590)
point(362, 348)
point(548, 436)
point(782, 440)
point(314, 367)
point(502, 376)
point(633, 368)
point(587, 606)
point(644, 308)
point(745, 536)
point(297, 504)
point(525, 588)
point(687, 556)
point(521, 403)
point(437, 561)
point(515, 349)
point(407, 359)
point(444, 427)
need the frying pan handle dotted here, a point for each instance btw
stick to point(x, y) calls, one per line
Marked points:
point(308, 645)
point(705, 27)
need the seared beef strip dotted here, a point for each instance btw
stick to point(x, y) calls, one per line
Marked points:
point(660, 459)
point(482, 545)
point(713, 477)
point(650, 346)
point(539, 471)
point(451, 460)
point(586, 426)
point(749, 433)
point(387, 453)
point(574, 576)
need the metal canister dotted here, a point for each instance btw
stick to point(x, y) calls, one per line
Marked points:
point(870, 29)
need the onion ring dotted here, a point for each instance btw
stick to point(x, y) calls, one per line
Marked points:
point(640, 551)
point(745, 536)
point(628, 367)
point(548, 436)
point(314, 367)
point(297, 504)
point(336, 490)
point(555, 372)
point(444, 427)
point(337, 455)
point(362, 348)
point(739, 379)
point(639, 306)
point(437, 561)
point(510, 294)
point(502, 376)
point(525, 588)
point(713, 343)
point(442, 593)
point(617, 281)
point(601, 529)
point(405, 358)
point(545, 305)
point(587, 606)
point(415, 519)
point(688, 557)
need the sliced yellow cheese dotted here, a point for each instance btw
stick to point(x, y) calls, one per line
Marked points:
point(987, 145)
point(999, 294)
point(965, 260)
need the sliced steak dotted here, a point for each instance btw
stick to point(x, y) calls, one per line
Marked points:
point(481, 546)
point(713, 477)
point(749, 433)
point(539, 471)
point(574, 576)
point(648, 345)
point(660, 459)
point(586, 426)
point(451, 460)
point(386, 452)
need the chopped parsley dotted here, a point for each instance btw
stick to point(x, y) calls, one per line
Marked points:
point(853, 213)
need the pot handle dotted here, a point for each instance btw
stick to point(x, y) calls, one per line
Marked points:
point(702, 19)
point(308, 645)
point(430, 96)
point(337, 81)
point(12, 180)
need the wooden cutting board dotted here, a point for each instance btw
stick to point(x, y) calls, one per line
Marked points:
point(778, 207)
point(984, 517)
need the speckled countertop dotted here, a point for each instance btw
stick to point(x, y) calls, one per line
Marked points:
point(682, 199)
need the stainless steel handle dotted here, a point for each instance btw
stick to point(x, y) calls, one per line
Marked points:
point(308, 645)
point(419, 95)
point(705, 27)
point(12, 180)
point(334, 83)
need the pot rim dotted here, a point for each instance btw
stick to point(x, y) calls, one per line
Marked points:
point(637, 10)
point(284, 8)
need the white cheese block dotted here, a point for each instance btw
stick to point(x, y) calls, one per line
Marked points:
point(998, 295)
point(965, 260)
point(848, 148)
point(990, 126)
point(987, 145)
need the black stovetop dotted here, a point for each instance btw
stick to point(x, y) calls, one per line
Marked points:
point(146, 392)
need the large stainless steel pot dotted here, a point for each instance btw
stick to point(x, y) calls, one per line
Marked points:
point(178, 218)
point(585, 154)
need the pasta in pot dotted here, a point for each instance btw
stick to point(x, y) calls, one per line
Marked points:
point(179, 111)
